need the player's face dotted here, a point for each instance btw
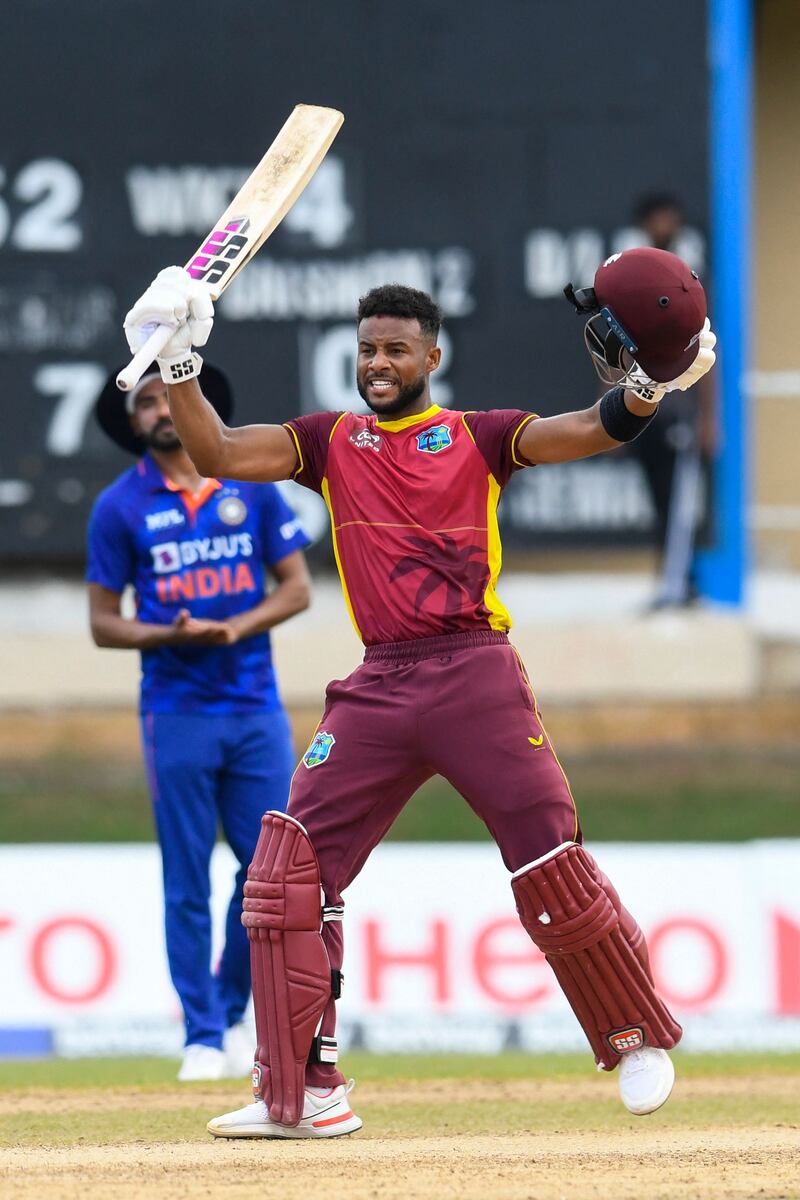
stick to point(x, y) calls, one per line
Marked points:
point(395, 360)
point(663, 226)
point(151, 418)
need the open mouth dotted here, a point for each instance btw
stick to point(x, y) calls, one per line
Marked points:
point(380, 386)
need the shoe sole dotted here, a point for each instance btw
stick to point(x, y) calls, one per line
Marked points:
point(277, 1132)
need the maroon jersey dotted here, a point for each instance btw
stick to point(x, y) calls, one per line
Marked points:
point(413, 507)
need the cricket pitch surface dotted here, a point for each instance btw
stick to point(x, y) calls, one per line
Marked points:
point(505, 1128)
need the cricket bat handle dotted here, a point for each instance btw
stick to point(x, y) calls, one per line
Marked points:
point(129, 376)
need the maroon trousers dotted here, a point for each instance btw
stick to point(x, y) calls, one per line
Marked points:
point(458, 706)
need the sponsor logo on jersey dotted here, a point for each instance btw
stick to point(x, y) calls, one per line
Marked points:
point(365, 439)
point(432, 440)
point(319, 750)
point(624, 1040)
point(536, 741)
point(290, 528)
point(163, 520)
point(231, 510)
point(171, 556)
point(203, 583)
point(166, 557)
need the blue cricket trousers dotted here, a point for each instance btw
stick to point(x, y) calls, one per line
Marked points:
point(201, 770)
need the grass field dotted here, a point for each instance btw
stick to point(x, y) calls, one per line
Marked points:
point(511, 1126)
point(713, 794)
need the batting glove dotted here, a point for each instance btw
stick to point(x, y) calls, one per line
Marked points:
point(647, 389)
point(182, 304)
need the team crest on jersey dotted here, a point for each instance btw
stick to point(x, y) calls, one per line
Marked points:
point(231, 510)
point(432, 440)
point(365, 439)
point(319, 750)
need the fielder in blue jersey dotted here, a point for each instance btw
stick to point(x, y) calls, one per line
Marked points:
point(217, 742)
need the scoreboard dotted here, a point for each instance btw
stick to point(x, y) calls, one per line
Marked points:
point(490, 154)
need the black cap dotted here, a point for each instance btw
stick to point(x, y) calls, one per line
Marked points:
point(111, 410)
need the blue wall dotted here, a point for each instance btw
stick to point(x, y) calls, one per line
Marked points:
point(722, 571)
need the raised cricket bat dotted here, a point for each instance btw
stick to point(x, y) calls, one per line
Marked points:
point(254, 213)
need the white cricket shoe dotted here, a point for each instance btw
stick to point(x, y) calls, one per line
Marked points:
point(325, 1114)
point(239, 1045)
point(201, 1062)
point(646, 1078)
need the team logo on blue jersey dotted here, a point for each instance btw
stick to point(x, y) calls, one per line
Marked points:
point(432, 440)
point(319, 750)
point(231, 510)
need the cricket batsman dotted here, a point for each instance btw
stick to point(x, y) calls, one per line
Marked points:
point(412, 492)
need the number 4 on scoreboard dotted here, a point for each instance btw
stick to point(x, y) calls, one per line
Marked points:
point(322, 212)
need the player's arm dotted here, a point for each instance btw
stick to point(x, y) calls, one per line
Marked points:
point(575, 435)
point(618, 417)
point(111, 630)
point(260, 453)
point(291, 595)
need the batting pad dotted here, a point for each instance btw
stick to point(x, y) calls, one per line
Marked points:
point(597, 952)
point(282, 912)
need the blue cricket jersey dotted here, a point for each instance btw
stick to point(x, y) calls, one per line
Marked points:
point(205, 553)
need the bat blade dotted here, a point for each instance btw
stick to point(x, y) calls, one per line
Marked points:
point(266, 196)
point(254, 213)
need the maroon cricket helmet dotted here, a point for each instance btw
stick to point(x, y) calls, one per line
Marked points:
point(648, 303)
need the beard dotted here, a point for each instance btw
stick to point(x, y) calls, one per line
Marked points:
point(405, 397)
point(162, 437)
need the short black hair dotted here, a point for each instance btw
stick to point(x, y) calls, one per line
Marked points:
point(396, 300)
point(654, 202)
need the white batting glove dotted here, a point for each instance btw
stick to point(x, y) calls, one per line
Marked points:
point(647, 389)
point(182, 304)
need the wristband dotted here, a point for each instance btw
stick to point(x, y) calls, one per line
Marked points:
point(182, 367)
point(617, 419)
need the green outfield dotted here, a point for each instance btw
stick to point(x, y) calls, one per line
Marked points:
point(714, 794)
point(486, 1095)
point(511, 1126)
